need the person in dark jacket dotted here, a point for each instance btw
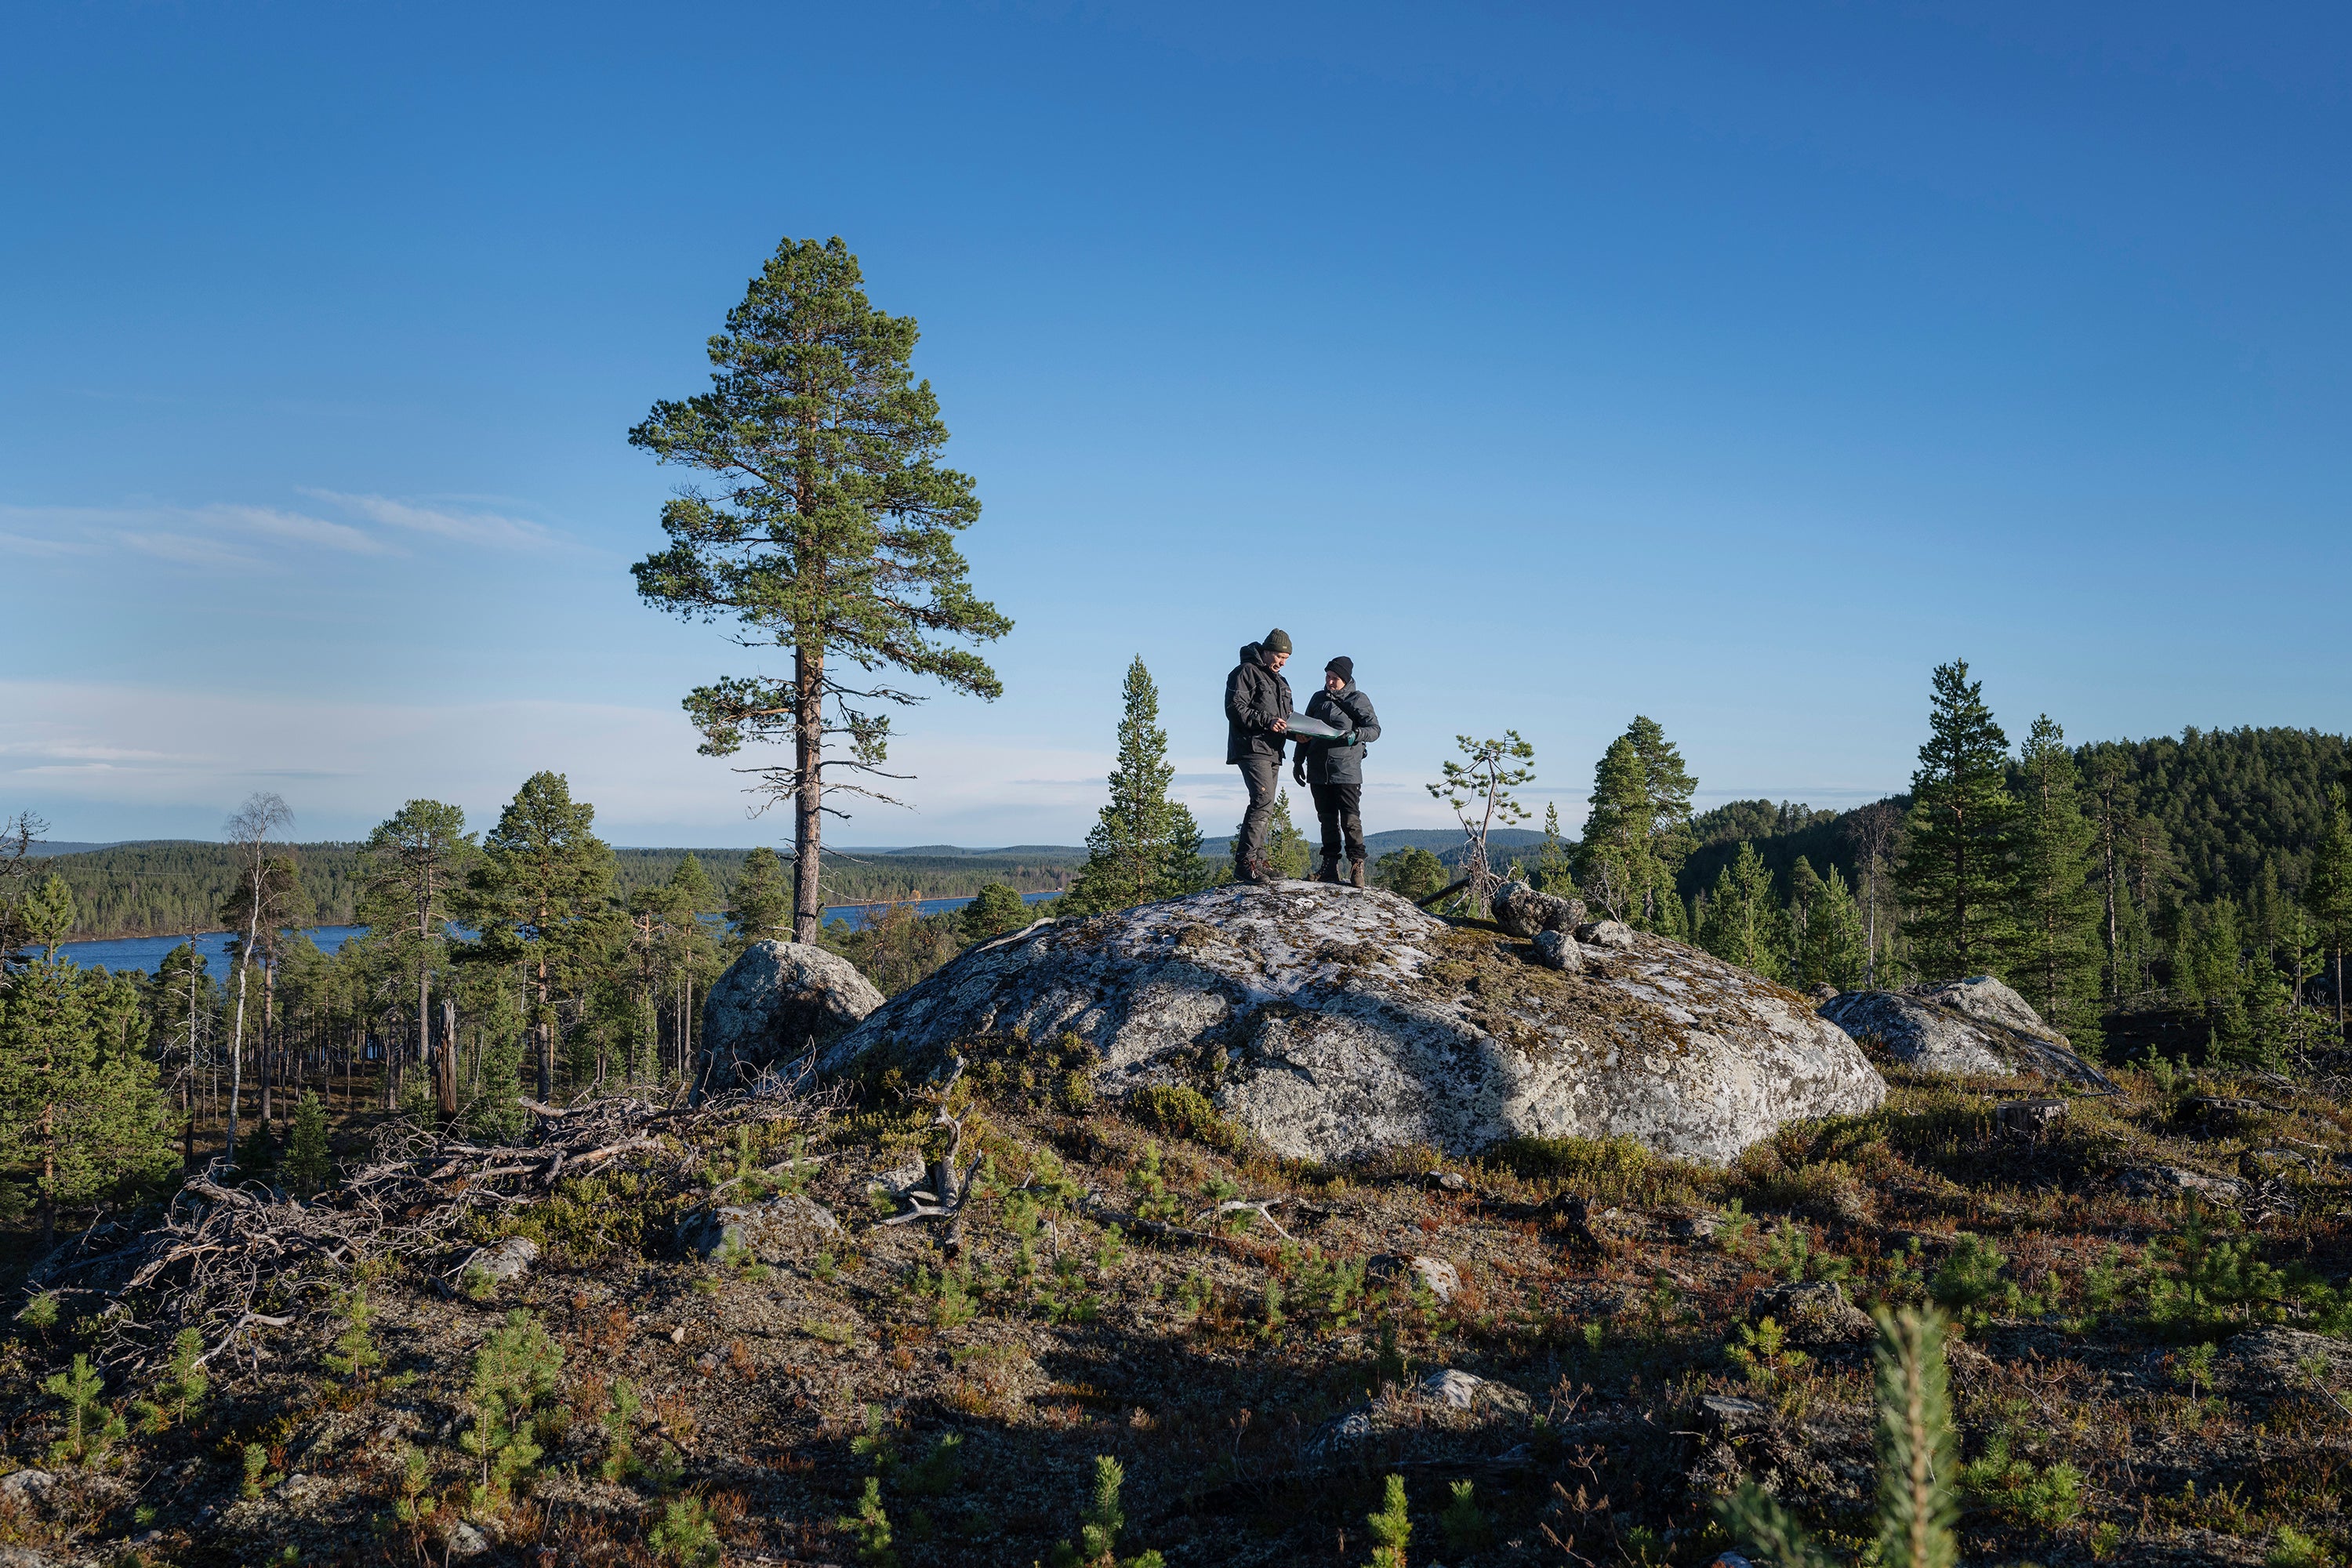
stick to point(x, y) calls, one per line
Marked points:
point(1334, 770)
point(1257, 710)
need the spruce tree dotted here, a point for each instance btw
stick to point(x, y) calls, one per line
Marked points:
point(83, 1121)
point(1554, 867)
point(2057, 911)
point(1956, 871)
point(1744, 923)
point(1668, 786)
point(2327, 891)
point(543, 892)
point(760, 905)
point(308, 1166)
point(1286, 851)
point(1834, 950)
point(832, 533)
point(1143, 846)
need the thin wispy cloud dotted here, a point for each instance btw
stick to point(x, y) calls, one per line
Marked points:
point(187, 550)
point(299, 529)
point(21, 545)
point(490, 529)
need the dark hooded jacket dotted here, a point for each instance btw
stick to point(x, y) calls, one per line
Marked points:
point(1327, 761)
point(1255, 696)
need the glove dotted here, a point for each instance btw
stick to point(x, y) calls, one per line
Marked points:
point(1298, 773)
point(1347, 739)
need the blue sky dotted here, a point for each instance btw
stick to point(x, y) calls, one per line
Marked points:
point(1726, 364)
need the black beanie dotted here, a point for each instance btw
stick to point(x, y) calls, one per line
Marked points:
point(1343, 667)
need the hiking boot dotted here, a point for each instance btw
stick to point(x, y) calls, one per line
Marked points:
point(1355, 873)
point(1330, 871)
point(1254, 869)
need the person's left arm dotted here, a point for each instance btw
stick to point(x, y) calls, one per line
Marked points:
point(1359, 710)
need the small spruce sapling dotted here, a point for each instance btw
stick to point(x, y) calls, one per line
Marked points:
point(686, 1535)
point(308, 1167)
point(1918, 1461)
point(84, 1440)
point(869, 1527)
point(1391, 1526)
point(621, 1461)
point(1466, 1528)
point(181, 1387)
point(1100, 1524)
point(355, 1358)
point(514, 1370)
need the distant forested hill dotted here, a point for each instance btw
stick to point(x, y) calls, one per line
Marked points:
point(167, 886)
point(2230, 802)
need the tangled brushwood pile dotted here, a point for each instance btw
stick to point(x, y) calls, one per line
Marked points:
point(1005, 1321)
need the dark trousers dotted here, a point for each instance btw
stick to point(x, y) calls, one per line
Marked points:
point(1339, 808)
point(1258, 774)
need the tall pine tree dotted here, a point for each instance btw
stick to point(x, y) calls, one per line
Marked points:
point(412, 872)
point(543, 892)
point(1956, 871)
point(2057, 913)
point(832, 532)
point(1637, 830)
point(1143, 845)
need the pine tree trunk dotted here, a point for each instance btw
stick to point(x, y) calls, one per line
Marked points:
point(261, 1042)
point(808, 802)
point(236, 1059)
point(445, 1077)
point(49, 1176)
point(546, 1026)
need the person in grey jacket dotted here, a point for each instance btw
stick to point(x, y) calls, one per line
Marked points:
point(1334, 770)
point(1258, 712)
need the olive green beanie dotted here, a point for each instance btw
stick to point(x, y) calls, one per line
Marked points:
point(1275, 641)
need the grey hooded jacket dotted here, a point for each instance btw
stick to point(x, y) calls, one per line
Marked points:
point(1255, 696)
point(1327, 761)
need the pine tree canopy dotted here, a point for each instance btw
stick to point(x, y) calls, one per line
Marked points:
point(830, 530)
point(1956, 871)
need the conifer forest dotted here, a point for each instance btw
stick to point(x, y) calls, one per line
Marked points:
point(1957, 1177)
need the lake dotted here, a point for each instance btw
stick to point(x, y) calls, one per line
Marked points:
point(142, 954)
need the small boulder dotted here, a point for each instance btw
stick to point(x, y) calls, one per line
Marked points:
point(26, 1488)
point(1441, 1278)
point(1614, 935)
point(1447, 1181)
point(500, 1263)
point(1524, 913)
point(1977, 1027)
point(2030, 1115)
point(763, 1233)
point(1816, 1313)
point(1446, 1405)
point(1557, 950)
point(779, 1002)
point(1822, 991)
point(2177, 1180)
point(467, 1541)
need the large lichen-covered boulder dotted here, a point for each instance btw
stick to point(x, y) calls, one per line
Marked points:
point(1977, 1027)
point(1334, 1021)
point(778, 1002)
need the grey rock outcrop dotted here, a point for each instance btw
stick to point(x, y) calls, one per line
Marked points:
point(1523, 911)
point(1333, 1022)
point(1978, 1027)
point(1448, 1404)
point(500, 1263)
point(770, 1232)
point(1814, 1314)
point(2278, 1363)
point(775, 1005)
point(1436, 1275)
point(1612, 934)
point(1557, 950)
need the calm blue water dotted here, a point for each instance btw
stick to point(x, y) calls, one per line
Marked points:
point(142, 955)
